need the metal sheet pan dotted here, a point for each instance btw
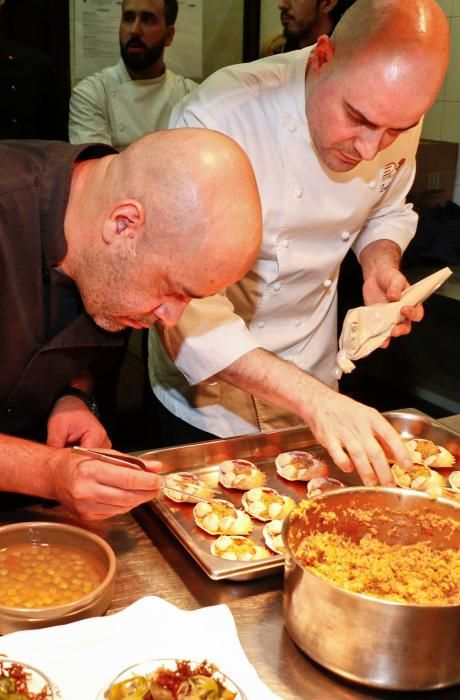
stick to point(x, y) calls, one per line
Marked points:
point(262, 448)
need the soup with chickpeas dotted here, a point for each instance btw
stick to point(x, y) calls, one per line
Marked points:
point(36, 575)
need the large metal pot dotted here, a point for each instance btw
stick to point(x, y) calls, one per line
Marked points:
point(372, 641)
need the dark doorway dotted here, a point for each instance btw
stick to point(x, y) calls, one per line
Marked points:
point(43, 26)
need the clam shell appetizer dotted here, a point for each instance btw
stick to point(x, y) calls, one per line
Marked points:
point(300, 466)
point(240, 474)
point(236, 548)
point(272, 536)
point(320, 485)
point(454, 481)
point(419, 478)
point(428, 453)
point(219, 517)
point(190, 485)
point(266, 504)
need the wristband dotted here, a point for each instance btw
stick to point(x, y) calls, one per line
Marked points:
point(87, 399)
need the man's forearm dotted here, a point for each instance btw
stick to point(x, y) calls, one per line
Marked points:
point(27, 467)
point(379, 255)
point(277, 381)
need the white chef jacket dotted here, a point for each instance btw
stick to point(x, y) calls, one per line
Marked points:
point(109, 107)
point(311, 217)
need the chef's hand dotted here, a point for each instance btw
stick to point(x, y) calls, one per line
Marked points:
point(387, 285)
point(72, 423)
point(358, 435)
point(96, 490)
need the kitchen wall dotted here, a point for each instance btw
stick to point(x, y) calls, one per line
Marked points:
point(442, 123)
point(222, 34)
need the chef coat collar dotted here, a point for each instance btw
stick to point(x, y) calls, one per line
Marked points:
point(297, 79)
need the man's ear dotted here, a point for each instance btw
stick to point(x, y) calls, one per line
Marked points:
point(125, 221)
point(170, 31)
point(323, 53)
point(326, 6)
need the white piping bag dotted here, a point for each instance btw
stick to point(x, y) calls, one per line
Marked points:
point(367, 327)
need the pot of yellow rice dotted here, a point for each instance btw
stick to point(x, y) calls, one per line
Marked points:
point(372, 586)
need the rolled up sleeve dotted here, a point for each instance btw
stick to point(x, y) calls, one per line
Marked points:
point(208, 338)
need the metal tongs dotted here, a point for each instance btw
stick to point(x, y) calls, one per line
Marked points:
point(136, 463)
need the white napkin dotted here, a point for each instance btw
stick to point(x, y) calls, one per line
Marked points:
point(82, 657)
point(367, 327)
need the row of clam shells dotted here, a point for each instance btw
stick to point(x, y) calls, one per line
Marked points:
point(428, 457)
point(232, 525)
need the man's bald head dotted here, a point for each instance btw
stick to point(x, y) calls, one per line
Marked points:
point(174, 216)
point(200, 197)
point(417, 30)
point(381, 69)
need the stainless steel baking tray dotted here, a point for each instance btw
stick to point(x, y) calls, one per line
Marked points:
point(261, 448)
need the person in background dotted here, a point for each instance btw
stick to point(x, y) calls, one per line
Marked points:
point(91, 243)
point(135, 97)
point(304, 21)
point(331, 131)
point(28, 92)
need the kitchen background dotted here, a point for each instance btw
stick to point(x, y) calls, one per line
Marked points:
point(420, 370)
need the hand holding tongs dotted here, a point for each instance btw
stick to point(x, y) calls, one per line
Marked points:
point(132, 462)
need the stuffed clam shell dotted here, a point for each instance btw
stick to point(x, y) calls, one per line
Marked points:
point(189, 484)
point(419, 478)
point(321, 484)
point(454, 481)
point(272, 536)
point(265, 504)
point(428, 453)
point(240, 474)
point(219, 517)
point(237, 548)
point(300, 466)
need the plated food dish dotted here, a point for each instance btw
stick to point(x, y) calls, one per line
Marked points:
point(299, 465)
point(427, 452)
point(219, 517)
point(238, 548)
point(190, 486)
point(19, 681)
point(419, 478)
point(240, 474)
point(265, 504)
point(172, 679)
point(273, 537)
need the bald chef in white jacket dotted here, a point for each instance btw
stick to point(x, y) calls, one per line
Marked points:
point(331, 131)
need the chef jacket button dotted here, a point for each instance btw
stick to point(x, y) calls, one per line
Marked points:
point(299, 193)
point(327, 284)
point(276, 287)
point(10, 58)
point(9, 411)
point(345, 236)
point(285, 244)
point(292, 128)
point(372, 184)
point(13, 88)
point(260, 324)
point(297, 322)
point(14, 121)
